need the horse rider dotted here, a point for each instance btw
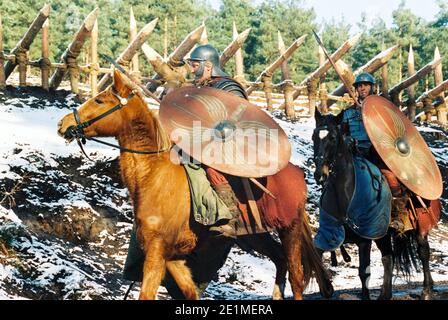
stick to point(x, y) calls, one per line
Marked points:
point(204, 65)
point(352, 124)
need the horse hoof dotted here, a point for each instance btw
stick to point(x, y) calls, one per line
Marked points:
point(365, 295)
point(426, 295)
point(383, 296)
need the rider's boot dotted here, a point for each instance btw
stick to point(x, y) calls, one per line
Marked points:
point(227, 227)
point(399, 215)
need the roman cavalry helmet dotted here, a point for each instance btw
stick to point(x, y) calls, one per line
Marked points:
point(364, 77)
point(207, 53)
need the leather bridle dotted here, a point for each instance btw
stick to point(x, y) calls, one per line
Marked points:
point(77, 131)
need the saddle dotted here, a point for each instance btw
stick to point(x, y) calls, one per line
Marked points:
point(208, 208)
point(273, 214)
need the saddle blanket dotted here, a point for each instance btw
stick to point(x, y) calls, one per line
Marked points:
point(368, 213)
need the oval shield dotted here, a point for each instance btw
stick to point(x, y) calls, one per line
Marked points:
point(225, 132)
point(401, 147)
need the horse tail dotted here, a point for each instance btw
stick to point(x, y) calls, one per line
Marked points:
point(312, 262)
point(405, 253)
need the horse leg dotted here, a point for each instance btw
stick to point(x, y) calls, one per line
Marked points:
point(291, 242)
point(334, 260)
point(182, 275)
point(153, 268)
point(267, 246)
point(384, 244)
point(345, 254)
point(423, 253)
point(364, 267)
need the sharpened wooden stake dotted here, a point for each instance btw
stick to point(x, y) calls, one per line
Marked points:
point(177, 56)
point(269, 71)
point(45, 62)
point(438, 79)
point(411, 89)
point(282, 50)
point(2, 60)
point(72, 52)
point(94, 60)
point(24, 45)
point(132, 36)
point(126, 56)
point(239, 64)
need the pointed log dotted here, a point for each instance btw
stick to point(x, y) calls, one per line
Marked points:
point(435, 92)
point(176, 57)
point(239, 63)
point(94, 60)
point(270, 69)
point(2, 59)
point(152, 55)
point(186, 45)
point(45, 63)
point(322, 86)
point(371, 67)
point(204, 37)
point(233, 47)
point(411, 89)
point(132, 36)
point(438, 79)
point(395, 91)
point(72, 52)
point(288, 90)
point(126, 56)
point(312, 79)
point(319, 72)
point(385, 78)
point(282, 50)
point(338, 54)
point(173, 76)
point(165, 38)
point(24, 44)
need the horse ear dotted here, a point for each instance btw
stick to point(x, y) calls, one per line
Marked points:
point(119, 83)
point(318, 117)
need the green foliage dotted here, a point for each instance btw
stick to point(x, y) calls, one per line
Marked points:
point(290, 17)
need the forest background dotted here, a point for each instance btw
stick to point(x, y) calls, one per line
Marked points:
point(266, 18)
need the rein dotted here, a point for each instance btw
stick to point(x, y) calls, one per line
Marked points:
point(78, 131)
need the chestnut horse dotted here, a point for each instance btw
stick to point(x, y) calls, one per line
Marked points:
point(160, 194)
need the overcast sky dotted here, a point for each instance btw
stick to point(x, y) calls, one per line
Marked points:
point(351, 9)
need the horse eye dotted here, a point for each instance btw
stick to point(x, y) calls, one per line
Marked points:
point(98, 101)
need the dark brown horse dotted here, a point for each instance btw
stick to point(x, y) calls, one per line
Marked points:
point(333, 156)
point(160, 194)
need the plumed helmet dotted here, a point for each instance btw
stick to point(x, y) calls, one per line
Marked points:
point(364, 77)
point(204, 53)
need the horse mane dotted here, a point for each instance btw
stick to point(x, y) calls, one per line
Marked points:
point(162, 138)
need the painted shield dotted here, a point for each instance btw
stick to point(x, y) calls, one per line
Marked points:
point(225, 132)
point(402, 147)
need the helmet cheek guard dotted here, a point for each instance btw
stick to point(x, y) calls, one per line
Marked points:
point(200, 71)
point(207, 54)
